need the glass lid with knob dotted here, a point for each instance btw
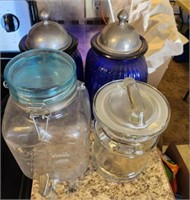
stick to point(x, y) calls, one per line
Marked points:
point(131, 110)
point(120, 39)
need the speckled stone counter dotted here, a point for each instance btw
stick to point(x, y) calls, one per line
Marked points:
point(150, 185)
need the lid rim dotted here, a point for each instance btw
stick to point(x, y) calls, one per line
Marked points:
point(43, 91)
point(128, 134)
point(140, 52)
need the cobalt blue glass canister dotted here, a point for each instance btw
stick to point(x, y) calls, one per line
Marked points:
point(116, 52)
point(51, 35)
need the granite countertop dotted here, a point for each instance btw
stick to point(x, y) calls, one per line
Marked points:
point(150, 185)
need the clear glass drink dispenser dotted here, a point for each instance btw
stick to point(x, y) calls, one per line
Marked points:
point(46, 122)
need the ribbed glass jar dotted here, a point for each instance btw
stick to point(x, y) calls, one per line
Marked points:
point(100, 70)
point(76, 55)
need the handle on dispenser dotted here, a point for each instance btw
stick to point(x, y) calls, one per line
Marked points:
point(40, 111)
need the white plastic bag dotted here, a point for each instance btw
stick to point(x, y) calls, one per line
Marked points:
point(155, 21)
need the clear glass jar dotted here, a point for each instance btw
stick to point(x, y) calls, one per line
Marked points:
point(46, 122)
point(129, 118)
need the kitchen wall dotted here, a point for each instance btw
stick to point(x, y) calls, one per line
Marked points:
point(81, 9)
point(68, 10)
point(63, 9)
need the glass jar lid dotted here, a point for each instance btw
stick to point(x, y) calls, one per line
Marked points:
point(120, 39)
point(41, 76)
point(131, 109)
point(48, 34)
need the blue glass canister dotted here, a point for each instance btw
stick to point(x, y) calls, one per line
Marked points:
point(48, 141)
point(49, 34)
point(116, 52)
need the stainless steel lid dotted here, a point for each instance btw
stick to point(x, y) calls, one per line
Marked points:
point(48, 34)
point(120, 39)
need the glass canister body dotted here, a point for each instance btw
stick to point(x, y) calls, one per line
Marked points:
point(57, 145)
point(117, 161)
point(100, 70)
